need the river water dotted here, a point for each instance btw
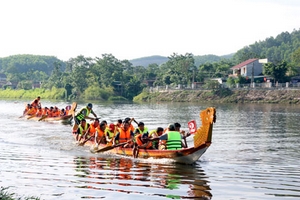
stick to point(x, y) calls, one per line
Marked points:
point(254, 155)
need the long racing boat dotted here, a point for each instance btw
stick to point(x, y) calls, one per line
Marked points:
point(202, 140)
point(63, 119)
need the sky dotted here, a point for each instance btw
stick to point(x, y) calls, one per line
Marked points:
point(130, 29)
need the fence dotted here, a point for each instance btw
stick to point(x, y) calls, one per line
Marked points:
point(250, 86)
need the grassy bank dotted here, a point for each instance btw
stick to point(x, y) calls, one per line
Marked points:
point(91, 93)
point(54, 93)
point(223, 96)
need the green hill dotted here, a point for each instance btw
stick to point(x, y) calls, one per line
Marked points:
point(145, 61)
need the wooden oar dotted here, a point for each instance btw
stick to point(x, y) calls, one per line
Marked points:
point(26, 113)
point(43, 117)
point(31, 117)
point(81, 143)
point(72, 110)
point(134, 121)
point(107, 148)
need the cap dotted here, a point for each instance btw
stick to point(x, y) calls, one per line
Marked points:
point(111, 127)
point(90, 105)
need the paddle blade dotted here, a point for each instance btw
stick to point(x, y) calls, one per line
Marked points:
point(107, 148)
point(192, 126)
point(31, 117)
point(42, 118)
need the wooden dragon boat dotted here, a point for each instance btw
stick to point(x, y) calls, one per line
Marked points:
point(62, 119)
point(202, 140)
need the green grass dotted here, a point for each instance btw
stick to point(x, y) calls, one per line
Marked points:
point(5, 195)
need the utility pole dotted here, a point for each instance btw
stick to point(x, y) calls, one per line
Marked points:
point(252, 75)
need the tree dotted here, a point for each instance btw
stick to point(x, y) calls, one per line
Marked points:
point(277, 71)
point(296, 57)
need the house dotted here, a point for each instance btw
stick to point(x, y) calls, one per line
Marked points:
point(149, 82)
point(36, 84)
point(248, 67)
point(2, 78)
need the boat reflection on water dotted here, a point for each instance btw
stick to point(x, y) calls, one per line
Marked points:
point(142, 177)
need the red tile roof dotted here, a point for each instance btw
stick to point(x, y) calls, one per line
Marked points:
point(244, 63)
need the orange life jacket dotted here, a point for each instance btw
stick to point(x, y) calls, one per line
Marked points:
point(124, 135)
point(39, 112)
point(138, 139)
point(50, 113)
point(100, 132)
point(32, 111)
point(93, 129)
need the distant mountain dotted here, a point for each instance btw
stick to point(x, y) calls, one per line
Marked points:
point(210, 58)
point(145, 61)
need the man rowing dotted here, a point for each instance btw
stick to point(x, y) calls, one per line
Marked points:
point(83, 114)
point(171, 140)
point(82, 130)
point(123, 135)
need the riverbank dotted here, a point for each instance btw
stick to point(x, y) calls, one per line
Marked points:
point(284, 96)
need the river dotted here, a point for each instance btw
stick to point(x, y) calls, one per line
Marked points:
point(254, 155)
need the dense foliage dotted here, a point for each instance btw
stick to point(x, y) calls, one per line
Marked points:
point(106, 77)
point(275, 49)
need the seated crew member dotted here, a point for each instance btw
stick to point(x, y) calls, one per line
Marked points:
point(119, 123)
point(62, 112)
point(45, 111)
point(50, 112)
point(110, 134)
point(39, 112)
point(27, 107)
point(100, 134)
point(82, 129)
point(105, 122)
point(55, 112)
point(32, 110)
point(67, 109)
point(91, 134)
point(123, 135)
point(182, 132)
point(141, 136)
point(171, 140)
point(131, 127)
point(155, 134)
point(83, 114)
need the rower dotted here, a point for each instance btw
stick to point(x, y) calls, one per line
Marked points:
point(171, 140)
point(83, 114)
point(123, 135)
